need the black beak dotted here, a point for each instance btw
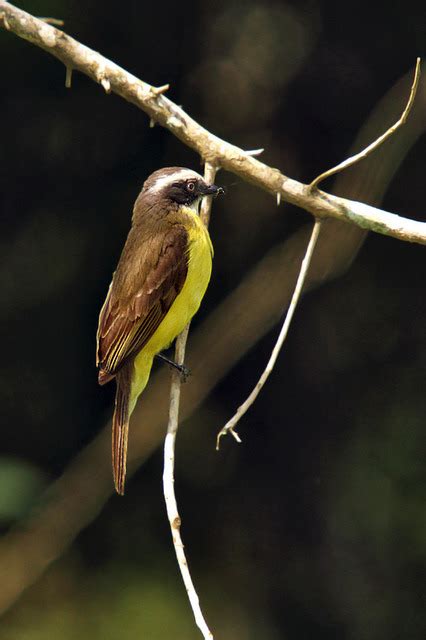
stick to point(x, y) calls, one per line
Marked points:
point(211, 190)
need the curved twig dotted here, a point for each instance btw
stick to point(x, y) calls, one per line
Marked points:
point(243, 408)
point(374, 145)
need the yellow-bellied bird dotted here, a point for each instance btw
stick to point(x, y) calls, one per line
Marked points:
point(161, 278)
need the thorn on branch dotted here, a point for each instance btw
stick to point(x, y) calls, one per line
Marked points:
point(106, 85)
point(278, 198)
point(254, 152)
point(5, 22)
point(68, 77)
point(158, 91)
point(56, 22)
point(152, 123)
point(102, 79)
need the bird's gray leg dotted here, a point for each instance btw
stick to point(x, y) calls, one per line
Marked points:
point(183, 370)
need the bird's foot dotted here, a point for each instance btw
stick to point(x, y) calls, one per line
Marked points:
point(183, 370)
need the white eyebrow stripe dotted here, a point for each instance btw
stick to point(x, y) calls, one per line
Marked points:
point(184, 174)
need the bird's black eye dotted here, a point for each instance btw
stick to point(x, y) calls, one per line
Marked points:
point(190, 186)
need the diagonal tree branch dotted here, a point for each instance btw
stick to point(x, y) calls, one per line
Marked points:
point(210, 147)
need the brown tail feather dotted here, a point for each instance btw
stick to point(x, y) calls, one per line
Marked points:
point(120, 428)
point(104, 377)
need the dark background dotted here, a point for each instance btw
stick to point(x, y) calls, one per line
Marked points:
point(315, 526)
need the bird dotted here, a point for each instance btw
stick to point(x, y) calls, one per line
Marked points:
point(161, 277)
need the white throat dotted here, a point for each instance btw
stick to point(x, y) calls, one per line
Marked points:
point(195, 206)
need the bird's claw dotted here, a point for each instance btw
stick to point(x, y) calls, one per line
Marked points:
point(183, 370)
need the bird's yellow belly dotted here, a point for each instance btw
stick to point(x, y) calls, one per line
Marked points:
point(183, 308)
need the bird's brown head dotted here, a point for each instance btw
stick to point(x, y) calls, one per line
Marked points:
point(179, 185)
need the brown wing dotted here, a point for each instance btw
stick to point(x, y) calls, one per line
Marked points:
point(150, 274)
